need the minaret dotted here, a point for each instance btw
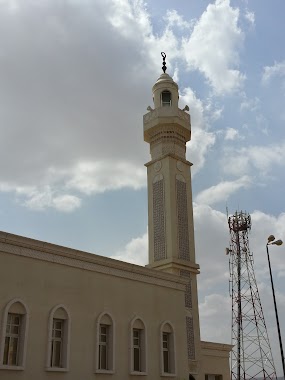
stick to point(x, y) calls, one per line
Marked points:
point(167, 129)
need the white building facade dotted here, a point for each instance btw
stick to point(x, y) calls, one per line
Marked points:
point(75, 315)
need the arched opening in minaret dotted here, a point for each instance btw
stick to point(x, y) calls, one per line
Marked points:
point(166, 98)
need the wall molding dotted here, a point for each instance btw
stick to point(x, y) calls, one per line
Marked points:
point(34, 249)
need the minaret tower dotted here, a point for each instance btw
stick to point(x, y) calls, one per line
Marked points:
point(167, 129)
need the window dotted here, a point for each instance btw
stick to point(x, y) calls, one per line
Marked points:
point(168, 366)
point(103, 347)
point(166, 98)
point(13, 329)
point(165, 348)
point(13, 342)
point(105, 344)
point(138, 359)
point(58, 340)
point(137, 350)
point(57, 343)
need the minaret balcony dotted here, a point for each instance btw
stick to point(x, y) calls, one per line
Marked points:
point(164, 118)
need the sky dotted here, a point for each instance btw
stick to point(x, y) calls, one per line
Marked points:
point(75, 81)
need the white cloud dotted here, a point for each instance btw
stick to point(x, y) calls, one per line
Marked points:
point(211, 238)
point(69, 123)
point(66, 202)
point(231, 134)
point(198, 148)
point(269, 72)
point(213, 47)
point(215, 318)
point(173, 18)
point(93, 178)
point(262, 158)
point(249, 104)
point(222, 191)
point(135, 252)
point(250, 17)
point(201, 139)
point(41, 200)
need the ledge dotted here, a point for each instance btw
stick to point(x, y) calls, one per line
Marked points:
point(11, 367)
point(56, 369)
point(164, 374)
point(105, 371)
point(136, 373)
point(216, 349)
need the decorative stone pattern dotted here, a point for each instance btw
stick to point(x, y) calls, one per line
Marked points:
point(159, 220)
point(180, 166)
point(190, 338)
point(167, 139)
point(157, 166)
point(182, 221)
point(188, 290)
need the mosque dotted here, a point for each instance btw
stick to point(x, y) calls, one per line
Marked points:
point(68, 314)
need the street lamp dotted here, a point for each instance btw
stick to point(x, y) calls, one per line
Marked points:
point(272, 241)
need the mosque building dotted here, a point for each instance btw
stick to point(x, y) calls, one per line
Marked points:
point(68, 314)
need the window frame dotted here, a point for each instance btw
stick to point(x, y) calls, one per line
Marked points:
point(11, 336)
point(103, 343)
point(110, 343)
point(167, 328)
point(137, 324)
point(54, 340)
point(23, 335)
point(165, 104)
point(137, 346)
point(65, 346)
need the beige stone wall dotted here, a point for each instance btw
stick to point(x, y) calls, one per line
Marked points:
point(215, 359)
point(42, 285)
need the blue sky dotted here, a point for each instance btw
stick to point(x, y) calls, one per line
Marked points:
point(76, 79)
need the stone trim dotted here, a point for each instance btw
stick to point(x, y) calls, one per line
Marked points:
point(143, 348)
point(188, 163)
point(173, 363)
point(66, 341)
point(34, 249)
point(179, 264)
point(216, 349)
point(23, 339)
point(112, 344)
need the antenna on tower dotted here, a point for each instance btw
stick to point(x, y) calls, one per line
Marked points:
point(251, 357)
point(163, 63)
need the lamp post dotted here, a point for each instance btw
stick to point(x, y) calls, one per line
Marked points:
point(272, 241)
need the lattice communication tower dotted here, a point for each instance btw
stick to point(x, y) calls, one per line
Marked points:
point(251, 356)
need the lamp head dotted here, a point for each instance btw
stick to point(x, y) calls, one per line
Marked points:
point(278, 242)
point(271, 238)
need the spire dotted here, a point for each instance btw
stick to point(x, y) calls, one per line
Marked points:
point(163, 63)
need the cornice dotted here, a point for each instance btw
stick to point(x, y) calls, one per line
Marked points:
point(171, 155)
point(219, 348)
point(175, 263)
point(39, 250)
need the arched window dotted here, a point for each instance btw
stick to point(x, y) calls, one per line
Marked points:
point(58, 339)
point(14, 334)
point(138, 352)
point(166, 98)
point(105, 362)
point(167, 341)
